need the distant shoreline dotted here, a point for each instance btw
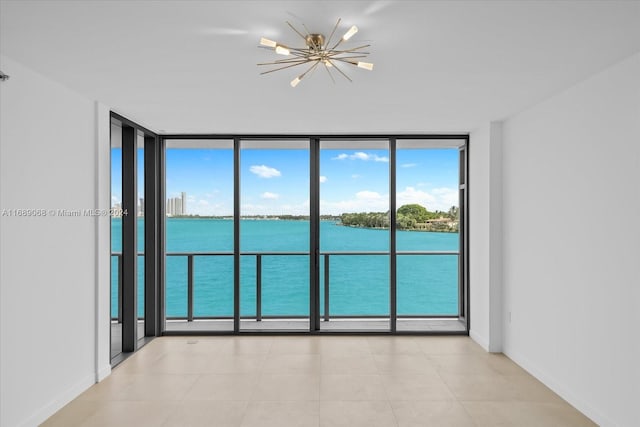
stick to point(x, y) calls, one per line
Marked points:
point(303, 218)
point(420, 230)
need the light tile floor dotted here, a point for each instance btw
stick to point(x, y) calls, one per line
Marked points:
point(317, 381)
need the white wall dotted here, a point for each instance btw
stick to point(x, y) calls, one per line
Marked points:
point(485, 236)
point(571, 241)
point(47, 264)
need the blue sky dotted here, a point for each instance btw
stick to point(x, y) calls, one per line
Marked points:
point(277, 181)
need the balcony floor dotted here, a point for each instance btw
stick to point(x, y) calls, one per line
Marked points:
point(297, 325)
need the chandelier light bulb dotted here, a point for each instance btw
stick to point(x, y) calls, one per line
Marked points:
point(365, 65)
point(295, 82)
point(281, 50)
point(267, 42)
point(328, 63)
point(350, 33)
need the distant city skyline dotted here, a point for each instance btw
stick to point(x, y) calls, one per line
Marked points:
point(276, 181)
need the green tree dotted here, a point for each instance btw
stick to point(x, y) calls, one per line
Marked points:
point(417, 212)
point(454, 212)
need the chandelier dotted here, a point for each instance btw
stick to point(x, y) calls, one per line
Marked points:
point(318, 53)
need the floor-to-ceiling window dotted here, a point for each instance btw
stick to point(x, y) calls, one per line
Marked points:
point(116, 238)
point(140, 224)
point(199, 230)
point(274, 234)
point(327, 233)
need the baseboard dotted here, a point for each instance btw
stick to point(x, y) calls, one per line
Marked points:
point(59, 402)
point(103, 373)
point(484, 343)
point(595, 415)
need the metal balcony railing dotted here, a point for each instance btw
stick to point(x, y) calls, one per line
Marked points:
point(259, 255)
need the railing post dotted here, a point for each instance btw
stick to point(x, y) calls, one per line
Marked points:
point(119, 258)
point(190, 288)
point(326, 287)
point(259, 288)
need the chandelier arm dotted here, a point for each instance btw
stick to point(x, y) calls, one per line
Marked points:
point(306, 29)
point(332, 32)
point(298, 51)
point(364, 55)
point(329, 71)
point(282, 68)
point(294, 58)
point(337, 44)
point(349, 50)
point(340, 71)
point(347, 59)
point(360, 55)
point(294, 29)
point(314, 68)
point(284, 61)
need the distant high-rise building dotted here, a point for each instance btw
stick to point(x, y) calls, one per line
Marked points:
point(177, 206)
point(141, 207)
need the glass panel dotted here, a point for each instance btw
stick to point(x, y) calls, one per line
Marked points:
point(274, 235)
point(354, 234)
point(427, 285)
point(427, 226)
point(199, 227)
point(140, 213)
point(116, 239)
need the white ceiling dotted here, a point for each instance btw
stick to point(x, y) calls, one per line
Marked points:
point(440, 66)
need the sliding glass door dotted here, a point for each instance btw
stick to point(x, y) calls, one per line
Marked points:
point(354, 235)
point(428, 235)
point(134, 236)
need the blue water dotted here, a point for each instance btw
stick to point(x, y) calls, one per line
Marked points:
point(359, 284)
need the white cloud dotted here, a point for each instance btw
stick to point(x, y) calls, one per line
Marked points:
point(438, 199)
point(409, 165)
point(361, 156)
point(447, 197)
point(363, 201)
point(251, 209)
point(295, 209)
point(270, 196)
point(264, 171)
point(368, 195)
point(301, 208)
point(203, 202)
point(323, 179)
point(410, 196)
